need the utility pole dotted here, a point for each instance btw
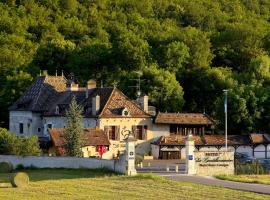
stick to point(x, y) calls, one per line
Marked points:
point(226, 116)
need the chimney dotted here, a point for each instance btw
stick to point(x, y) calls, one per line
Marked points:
point(95, 105)
point(72, 86)
point(91, 84)
point(143, 102)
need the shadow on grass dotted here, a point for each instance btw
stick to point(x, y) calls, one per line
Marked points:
point(58, 174)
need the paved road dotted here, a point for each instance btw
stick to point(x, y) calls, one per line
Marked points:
point(206, 180)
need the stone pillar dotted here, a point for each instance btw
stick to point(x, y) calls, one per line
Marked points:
point(130, 156)
point(190, 160)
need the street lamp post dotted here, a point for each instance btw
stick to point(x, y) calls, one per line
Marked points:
point(225, 112)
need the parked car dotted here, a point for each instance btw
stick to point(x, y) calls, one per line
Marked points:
point(244, 158)
point(265, 163)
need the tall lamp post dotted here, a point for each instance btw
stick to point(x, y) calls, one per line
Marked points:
point(225, 112)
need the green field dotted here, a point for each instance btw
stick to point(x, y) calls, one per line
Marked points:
point(262, 179)
point(85, 184)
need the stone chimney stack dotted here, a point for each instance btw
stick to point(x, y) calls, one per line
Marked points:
point(95, 105)
point(72, 85)
point(143, 102)
point(91, 84)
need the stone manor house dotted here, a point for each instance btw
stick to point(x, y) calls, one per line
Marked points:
point(107, 115)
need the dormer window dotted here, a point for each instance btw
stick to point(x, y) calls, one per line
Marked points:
point(125, 112)
point(57, 110)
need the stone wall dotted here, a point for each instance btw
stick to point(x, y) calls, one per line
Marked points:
point(214, 162)
point(64, 162)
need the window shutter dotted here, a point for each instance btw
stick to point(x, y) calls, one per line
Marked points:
point(117, 132)
point(106, 131)
point(134, 131)
point(144, 132)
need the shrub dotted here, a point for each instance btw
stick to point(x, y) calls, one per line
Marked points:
point(138, 159)
point(248, 168)
point(15, 145)
point(19, 179)
point(5, 167)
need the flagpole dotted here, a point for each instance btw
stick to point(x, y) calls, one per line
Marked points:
point(225, 111)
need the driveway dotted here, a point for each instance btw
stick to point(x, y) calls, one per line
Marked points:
point(207, 180)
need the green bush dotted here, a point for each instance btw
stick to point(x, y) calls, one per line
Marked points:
point(19, 179)
point(138, 159)
point(14, 145)
point(248, 168)
point(5, 167)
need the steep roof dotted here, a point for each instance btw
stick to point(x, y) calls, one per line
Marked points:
point(49, 92)
point(117, 102)
point(92, 137)
point(63, 100)
point(183, 118)
point(38, 95)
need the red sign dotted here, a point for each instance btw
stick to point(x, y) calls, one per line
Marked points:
point(101, 150)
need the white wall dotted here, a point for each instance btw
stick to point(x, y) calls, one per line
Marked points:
point(259, 151)
point(155, 151)
point(268, 151)
point(60, 122)
point(64, 162)
point(245, 150)
point(31, 122)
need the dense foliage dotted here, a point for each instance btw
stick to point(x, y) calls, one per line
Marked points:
point(188, 51)
point(11, 144)
point(74, 131)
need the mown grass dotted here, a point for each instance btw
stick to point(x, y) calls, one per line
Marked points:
point(262, 179)
point(88, 184)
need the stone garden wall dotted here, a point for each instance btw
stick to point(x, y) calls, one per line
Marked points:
point(64, 162)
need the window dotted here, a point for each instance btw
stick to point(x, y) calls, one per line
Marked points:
point(21, 128)
point(112, 132)
point(49, 126)
point(57, 110)
point(140, 132)
point(39, 130)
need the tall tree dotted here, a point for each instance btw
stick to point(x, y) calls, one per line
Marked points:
point(74, 131)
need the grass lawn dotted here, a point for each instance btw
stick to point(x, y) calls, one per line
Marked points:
point(262, 179)
point(84, 184)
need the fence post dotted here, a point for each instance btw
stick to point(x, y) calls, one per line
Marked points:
point(176, 168)
point(167, 168)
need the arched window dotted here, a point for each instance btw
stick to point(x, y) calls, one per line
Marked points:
point(57, 110)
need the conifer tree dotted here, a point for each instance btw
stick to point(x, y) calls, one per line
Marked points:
point(73, 135)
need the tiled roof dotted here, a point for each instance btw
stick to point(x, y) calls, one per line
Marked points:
point(49, 92)
point(205, 140)
point(259, 138)
point(183, 118)
point(38, 95)
point(93, 137)
point(117, 102)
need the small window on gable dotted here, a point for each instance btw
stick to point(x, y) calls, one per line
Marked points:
point(57, 110)
point(125, 112)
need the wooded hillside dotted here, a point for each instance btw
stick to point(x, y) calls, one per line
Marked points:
point(188, 52)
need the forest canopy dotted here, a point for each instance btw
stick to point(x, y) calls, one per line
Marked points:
point(187, 52)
